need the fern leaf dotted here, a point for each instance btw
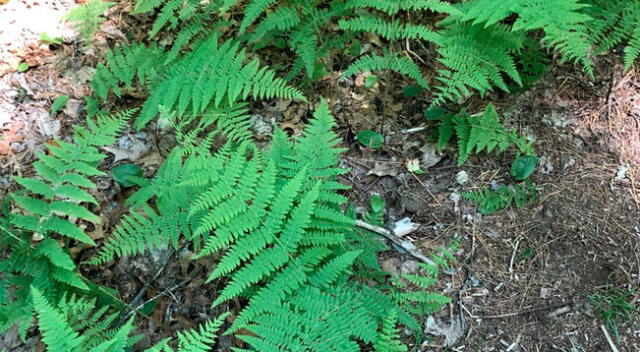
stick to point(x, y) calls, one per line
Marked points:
point(87, 17)
point(57, 334)
point(402, 65)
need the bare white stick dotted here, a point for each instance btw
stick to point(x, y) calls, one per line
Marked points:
point(406, 245)
point(609, 340)
point(414, 129)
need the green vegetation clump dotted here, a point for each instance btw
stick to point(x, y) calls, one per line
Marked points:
point(303, 276)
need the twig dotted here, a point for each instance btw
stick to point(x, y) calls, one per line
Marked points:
point(391, 236)
point(414, 129)
point(513, 314)
point(167, 290)
point(138, 297)
point(609, 340)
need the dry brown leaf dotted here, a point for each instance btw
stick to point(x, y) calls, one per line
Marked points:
point(9, 136)
point(382, 169)
point(137, 150)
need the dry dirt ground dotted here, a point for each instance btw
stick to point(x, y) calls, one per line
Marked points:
point(523, 277)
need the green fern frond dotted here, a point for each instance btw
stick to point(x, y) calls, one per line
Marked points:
point(282, 19)
point(489, 201)
point(615, 23)
point(476, 58)
point(400, 64)
point(392, 7)
point(209, 74)
point(50, 205)
point(56, 332)
point(564, 27)
point(390, 30)
point(387, 340)
point(254, 10)
point(202, 339)
point(482, 133)
point(87, 17)
point(124, 64)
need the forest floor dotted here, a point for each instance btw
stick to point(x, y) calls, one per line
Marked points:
point(529, 279)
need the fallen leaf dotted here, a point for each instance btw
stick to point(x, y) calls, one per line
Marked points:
point(413, 165)
point(9, 136)
point(137, 150)
point(384, 169)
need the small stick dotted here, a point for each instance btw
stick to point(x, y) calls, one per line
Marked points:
point(168, 290)
point(406, 245)
point(414, 129)
point(609, 340)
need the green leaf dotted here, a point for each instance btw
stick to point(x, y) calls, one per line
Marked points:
point(376, 203)
point(23, 67)
point(370, 81)
point(524, 166)
point(434, 113)
point(125, 174)
point(47, 39)
point(59, 103)
point(411, 91)
point(370, 139)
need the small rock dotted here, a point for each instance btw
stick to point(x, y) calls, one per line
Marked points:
point(547, 167)
point(462, 177)
point(18, 147)
point(474, 281)
point(404, 226)
point(450, 271)
point(49, 127)
point(557, 120)
point(430, 156)
point(73, 108)
point(545, 293)
point(392, 266)
point(621, 174)
point(125, 142)
point(260, 127)
point(410, 267)
point(566, 162)
point(452, 331)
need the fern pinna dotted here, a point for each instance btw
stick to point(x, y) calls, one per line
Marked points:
point(42, 224)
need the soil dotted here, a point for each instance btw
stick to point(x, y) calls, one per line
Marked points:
point(523, 277)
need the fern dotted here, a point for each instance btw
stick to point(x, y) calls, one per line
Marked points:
point(402, 65)
point(564, 26)
point(76, 325)
point(480, 133)
point(392, 7)
point(124, 64)
point(390, 30)
point(284, 244)
point(201, 339)
point(48, 206)
point(87, 17)
point(615, 23)
point(144, 228)
point(489, 201)
point(209, 76)
point(476, 57)
point(388, 341)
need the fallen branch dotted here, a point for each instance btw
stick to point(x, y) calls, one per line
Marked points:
point(391, 236)
point(609, 340)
